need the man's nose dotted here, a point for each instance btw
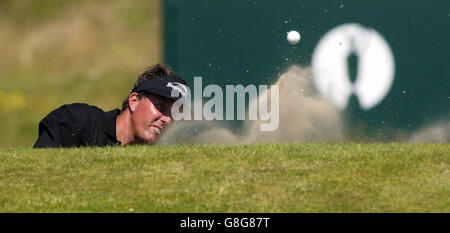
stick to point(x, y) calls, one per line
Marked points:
point(166, 120)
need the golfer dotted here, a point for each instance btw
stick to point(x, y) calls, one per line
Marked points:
point(145, 114)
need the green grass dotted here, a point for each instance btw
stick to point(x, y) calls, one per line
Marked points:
point(392, 177)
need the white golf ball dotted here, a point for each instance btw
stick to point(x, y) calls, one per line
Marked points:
point(293, 37)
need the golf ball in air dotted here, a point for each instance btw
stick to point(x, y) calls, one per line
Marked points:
point(293, 37)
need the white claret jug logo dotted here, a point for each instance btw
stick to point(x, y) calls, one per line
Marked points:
point(375, 69)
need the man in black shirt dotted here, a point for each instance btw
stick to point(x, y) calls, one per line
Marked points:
point(145, 113)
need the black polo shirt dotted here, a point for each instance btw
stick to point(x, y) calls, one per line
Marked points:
point(76, 125)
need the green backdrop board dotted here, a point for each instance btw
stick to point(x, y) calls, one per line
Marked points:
point(244, 42)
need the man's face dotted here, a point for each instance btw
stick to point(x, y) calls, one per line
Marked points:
point(151, 115)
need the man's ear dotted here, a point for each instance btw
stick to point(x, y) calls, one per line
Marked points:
point(133, 101)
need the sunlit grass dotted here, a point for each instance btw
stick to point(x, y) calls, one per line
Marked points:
point(391, 177)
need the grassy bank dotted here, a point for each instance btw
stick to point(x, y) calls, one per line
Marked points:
point(56, 52)
point(252, 178)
